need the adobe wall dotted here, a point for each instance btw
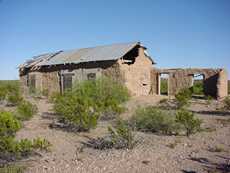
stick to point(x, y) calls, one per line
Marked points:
point(154, 81)
point(137, 76)
point(215, 80)
point(24, 79)
point(222, 84)
point(50, 82)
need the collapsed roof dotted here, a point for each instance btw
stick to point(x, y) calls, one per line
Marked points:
point(76, 56)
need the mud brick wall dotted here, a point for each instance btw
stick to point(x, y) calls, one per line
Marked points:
point(137, 76)
point(215, 80)
point(154, 81)
point(222, 84)
point(50, 82)
point(23, 85)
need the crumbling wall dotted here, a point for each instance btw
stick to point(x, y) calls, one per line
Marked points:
point(215, 80)
point(50, 82)
point(137, 75)
point(23, 85)
point(222, 84)
point(154, 82)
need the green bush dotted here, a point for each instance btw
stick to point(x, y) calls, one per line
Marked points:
point(198, 88)
point(41, 143)
point(24, 147)
point(227, 103)
point(10, 91)
point(189, 121)
point(164, 86)
point(12, 169)
point(3, 92)
point(152, 119)
point(9, 125)
point(183, 97)
point(26, 110)
point(83, 105)
point(122, 136)
point(8, 144)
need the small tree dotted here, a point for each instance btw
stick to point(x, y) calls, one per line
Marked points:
point(183, 97)
point(189, 121)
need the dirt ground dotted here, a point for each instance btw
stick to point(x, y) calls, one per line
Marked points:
point(153, 153)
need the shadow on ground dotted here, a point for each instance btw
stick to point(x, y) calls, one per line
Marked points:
point(212, 166)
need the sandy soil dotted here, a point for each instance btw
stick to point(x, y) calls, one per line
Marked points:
point(153, 153)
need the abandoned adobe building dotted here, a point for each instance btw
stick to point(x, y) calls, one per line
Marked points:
point(128, 63)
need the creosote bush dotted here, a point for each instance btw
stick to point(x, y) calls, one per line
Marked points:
point(183, 97)
point(9, 125)
point(26, 110)
point(152, 119)
point(10, 148)
point(121, 135)
point(87, 101)
point(190, 123)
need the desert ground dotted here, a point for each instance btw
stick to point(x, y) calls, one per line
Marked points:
point(205, 152)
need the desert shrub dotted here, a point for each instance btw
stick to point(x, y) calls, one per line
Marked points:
point(24, 147)
point(164, 86)
point(77, 109)
point(12, 169)
point(26, 110)
point(183, 97)
point(41, 143)
point(227, 103)
point(45, 92)
point(12, 92)
point(3, 92)
point(190, 123)
point(209, 99)
point(83, 105)
point(121, 135)
point(152, 119)
point(198, 88)
point(9, 125)
point(14, 98)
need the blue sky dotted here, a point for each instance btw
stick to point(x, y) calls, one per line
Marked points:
point(177, 33)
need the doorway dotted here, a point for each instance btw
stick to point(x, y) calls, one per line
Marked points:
point(198, 85)
point(163, 84)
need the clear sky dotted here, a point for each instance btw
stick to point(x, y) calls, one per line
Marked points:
point(177, 33)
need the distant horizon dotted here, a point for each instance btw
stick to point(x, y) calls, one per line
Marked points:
point(177, 33)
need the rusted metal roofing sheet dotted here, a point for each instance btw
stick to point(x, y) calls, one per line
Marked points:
point(99, 53)
point(76, 56)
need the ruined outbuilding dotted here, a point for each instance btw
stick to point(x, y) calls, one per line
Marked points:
point(128, 63)
point(215, 81)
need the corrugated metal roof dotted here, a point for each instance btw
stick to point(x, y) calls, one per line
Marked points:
point(99, 53)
